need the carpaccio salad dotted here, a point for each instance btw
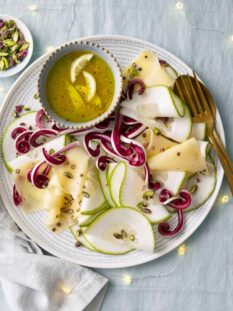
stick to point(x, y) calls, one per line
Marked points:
point(115, 184)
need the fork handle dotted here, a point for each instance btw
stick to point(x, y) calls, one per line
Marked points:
point(223, 149)
point(227, 170)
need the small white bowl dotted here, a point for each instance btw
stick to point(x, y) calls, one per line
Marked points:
point(55, 56)
point(28, 37)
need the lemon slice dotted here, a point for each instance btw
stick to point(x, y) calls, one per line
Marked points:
point(78, 64)
point(76, 98)
point(96, 102)
point(83, 91)
point(91, 84)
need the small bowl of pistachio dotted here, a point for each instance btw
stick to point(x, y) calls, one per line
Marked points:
point(16, 45)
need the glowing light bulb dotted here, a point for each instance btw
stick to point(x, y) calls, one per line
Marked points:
point(1, 89)
point(182, 249)
point(232, 38)
point(127, 279)
point(225, 199)
point(179, 5)
point(49, 48)
point(32, 7)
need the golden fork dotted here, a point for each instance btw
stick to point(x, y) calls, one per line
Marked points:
point(203, 110)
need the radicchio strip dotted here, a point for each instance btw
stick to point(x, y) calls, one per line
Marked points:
point(18, 130)
point(53, 160)
point(164, 227)
point(16, 197)
point(37, 134)
point(103, 161)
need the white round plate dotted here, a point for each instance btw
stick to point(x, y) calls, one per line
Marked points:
point(28, 37)
point(22, 92)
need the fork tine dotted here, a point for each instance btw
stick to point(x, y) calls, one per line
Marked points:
point(202, 96)
point(195, 97)
point(177, 87)
point(188, 98)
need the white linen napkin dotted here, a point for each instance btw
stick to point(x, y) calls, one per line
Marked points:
point(33, 281)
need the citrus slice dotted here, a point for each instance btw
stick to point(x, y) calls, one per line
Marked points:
point(83, 91)
point(91, 85)
point(78, 64)
point(76, 98)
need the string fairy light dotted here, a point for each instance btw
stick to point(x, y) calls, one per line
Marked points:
point(1, 89)
point(181, 249)
point(231, 37)
point(224, 199)
point(179, 5)
point(32, 7)
point(65, 288)
point(127, 279)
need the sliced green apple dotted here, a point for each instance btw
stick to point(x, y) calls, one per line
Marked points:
point(121, 230)
point(7, 143)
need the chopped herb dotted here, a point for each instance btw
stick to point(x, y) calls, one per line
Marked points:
point(156, 131)
point(132, 237)
point(68, 174)
point(27, 108)
point(36, 96)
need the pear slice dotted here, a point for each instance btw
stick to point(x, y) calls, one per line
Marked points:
point(201, 186)
point(171, 180)
point(198, 131)
point(102, 176)
point(182, 157)
point(116, 182)
point(86, 220)
point(127, 186)
point(94, 200)
point(138, 233)
point(151, 72)
point(177, 129)
point(77, 233)
point(156, 101)
point(110, 168)
point(7, 143)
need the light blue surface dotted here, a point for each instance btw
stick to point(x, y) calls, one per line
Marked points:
point(200, 34)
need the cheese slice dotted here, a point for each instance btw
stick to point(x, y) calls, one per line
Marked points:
point(71, 175)
point(182, 157)
point(151, 72)
point(63, 211)
point(154, 144)
point(32, 197)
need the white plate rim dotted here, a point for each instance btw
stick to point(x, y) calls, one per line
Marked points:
point(157, 254)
